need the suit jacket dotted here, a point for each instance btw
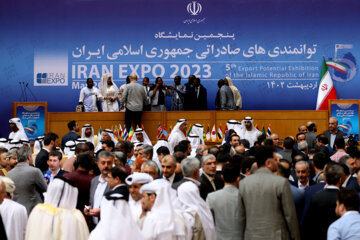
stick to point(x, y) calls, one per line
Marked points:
point(82, 181)
point(206, 187)
point(321, 214)
point(353, 184)
point(30, 184)
point(266, 207)
point(71, 136)
point(299, 200)
point(93, 186)
point(309, 192)
point(41, 160)
point(339, 134)
point(122, 189)
point(225, 208)
point(201, 100)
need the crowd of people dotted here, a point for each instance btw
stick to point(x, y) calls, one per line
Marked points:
point(152, 96)
point(249, 187)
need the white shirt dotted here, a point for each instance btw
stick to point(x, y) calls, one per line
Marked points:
point(99, 193)
point(170, 179)
point(135, 208)
point(303, 186)
point(15, 217)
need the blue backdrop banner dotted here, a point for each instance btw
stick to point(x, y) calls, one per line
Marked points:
point(272, 50)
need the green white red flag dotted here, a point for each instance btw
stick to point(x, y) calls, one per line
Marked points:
point(326, 89)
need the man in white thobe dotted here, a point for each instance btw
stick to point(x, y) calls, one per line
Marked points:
point(58, 217)
point(87, 132)
point(13, 214)
point(17, 130)
point(249, 132)
point(135, 181)
point(177, 134)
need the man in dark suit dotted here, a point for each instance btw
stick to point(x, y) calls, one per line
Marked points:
point(168, 166)
point(50, 142)
point(71, 136)
point(99, 186)
point(200, 96)
point(54, 166)
point(189, 89)
point(116, 182)
point(302, 171)
point(333, 132)
point(210, 181)
point(322, 206)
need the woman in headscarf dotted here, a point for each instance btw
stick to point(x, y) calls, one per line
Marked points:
point(110, 92)
point(158, 95)
point(236, 92)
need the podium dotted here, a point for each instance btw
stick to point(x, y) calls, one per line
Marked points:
point(33, 116)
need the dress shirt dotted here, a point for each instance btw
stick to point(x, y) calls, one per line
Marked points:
point(303, 186)
point(211, 180)
point(170, 179)
point(99, 193)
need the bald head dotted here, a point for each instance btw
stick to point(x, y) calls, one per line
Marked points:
point(133, 77)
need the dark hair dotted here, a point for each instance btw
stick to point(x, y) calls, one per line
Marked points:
point(311, 127)
point(81, 147)
point(245, 143)
point(220, 83)
point(268, 142)
point(214, 150)
point(109, 144)
point(126, 146)
point(234, 135)
point(157, 79)
point(298, 134)
point(284, 171)
point(90, 145)
point(223, 157)
point(179, 156)
point(55, 154)
point(237, 160)
point(146, 78)
point(289, 143)
point(264, 153)
point(339, 143)
point(322, 138)
point(177, 77)
point(345, 168)
point(180, 148)
point(71, 125)
point(230, 173)
point(119, 172)
point(89, 79)
point(50, 136)
point(3, 150)
point(85, 160)
point(333, 173)
point(320, 160)
point(246, 164)
point(185, 142)
point(348, 197)
point(162, 150)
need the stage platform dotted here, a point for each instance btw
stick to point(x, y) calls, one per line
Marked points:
point(284, 123)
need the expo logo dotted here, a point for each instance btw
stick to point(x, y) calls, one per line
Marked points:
point(54, 79)
point(194, 8)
